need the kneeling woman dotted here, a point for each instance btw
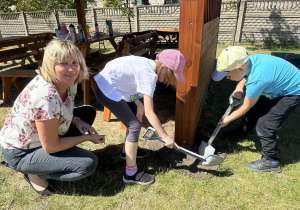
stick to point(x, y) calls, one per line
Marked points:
point(42, 129)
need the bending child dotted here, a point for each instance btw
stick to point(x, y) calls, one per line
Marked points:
point(272, 92)
point(121, 84)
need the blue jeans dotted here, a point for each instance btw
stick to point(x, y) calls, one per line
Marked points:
point(68, 165)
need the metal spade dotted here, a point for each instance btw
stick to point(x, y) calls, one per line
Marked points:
point(205, 148)
point(211, 160)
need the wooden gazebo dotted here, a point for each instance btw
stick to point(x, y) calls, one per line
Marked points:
point(199, 27)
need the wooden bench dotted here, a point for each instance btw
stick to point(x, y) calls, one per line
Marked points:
point(141, 45)
point(7, 53)
point(12, 54)
point(12, 76)
point(38, 49)
point(135, 34)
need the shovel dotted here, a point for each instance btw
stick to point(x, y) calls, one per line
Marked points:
point(205, 148)
point(211, 160)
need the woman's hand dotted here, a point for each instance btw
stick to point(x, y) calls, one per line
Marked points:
point(83, 126)
point(97, 139)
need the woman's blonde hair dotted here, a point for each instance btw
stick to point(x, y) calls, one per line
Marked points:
point(60, 50)
point(169, 76)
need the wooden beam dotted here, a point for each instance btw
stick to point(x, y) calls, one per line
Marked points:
point(81, 16)
point(191, 94)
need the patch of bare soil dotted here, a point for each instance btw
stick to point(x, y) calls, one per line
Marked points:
point(181, 162)
point(164, 103)
point(159, 157)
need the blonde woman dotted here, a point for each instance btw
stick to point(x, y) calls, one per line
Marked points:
point(121, 84)
point(42, 129)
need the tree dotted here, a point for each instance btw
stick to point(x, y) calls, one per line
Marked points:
point(124, 6)
point(38, 5)
point(5, 5)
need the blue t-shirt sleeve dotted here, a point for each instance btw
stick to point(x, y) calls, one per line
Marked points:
point(255, 89)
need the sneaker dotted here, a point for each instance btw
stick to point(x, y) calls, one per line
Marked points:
point(265, 165)
point(139, 177)
point(140, 154)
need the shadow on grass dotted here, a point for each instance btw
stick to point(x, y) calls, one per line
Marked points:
point(107, 179)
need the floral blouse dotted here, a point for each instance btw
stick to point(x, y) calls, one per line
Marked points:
point(38, 101)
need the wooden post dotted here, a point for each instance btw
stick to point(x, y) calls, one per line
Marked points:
point(81, 16)
point(240, 21)
point(198, 29)
point(25, 24)
point(136, 19)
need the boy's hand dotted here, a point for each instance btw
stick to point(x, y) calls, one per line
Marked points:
point(238, 94)
point(224, 121)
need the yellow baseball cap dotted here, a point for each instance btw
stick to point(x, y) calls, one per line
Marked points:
point(229, 59)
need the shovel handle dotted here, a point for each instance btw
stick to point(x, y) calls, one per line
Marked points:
point(233, 102)
point(185, 151)
point(216, 131)
point(188, 152)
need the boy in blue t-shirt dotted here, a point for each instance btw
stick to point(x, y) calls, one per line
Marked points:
point(272, 92)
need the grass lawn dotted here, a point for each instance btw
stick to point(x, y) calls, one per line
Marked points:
point(237, 187)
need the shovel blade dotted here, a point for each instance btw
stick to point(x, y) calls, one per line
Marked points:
point(205, 149)
point(212, 160)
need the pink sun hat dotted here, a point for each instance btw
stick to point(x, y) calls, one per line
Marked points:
point(174, 60)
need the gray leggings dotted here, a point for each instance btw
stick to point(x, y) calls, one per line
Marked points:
point(69, 165)
point(126, 112)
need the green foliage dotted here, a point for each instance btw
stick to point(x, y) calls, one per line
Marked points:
point(230, 6)
point(38, 5)
point(6, 4)
point(35, 5)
